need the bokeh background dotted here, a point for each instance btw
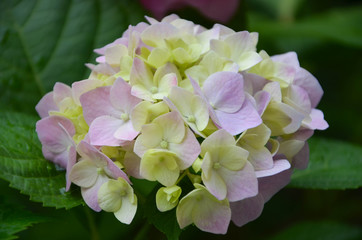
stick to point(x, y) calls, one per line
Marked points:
point(46, 41)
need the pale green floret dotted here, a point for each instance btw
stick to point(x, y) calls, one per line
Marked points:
point(274, 71)
point(201, 207)
point(192, 108)
point(117, 154)
point(196, 166)
point(69, 109)
point(117, 196)
point(210, 63)
point(160, 165)
point(152, 86)
point(145, 112)
point(167, 198)
point(239, 47)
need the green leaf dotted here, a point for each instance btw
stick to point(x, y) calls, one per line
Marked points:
point(333, 165)
point(14, 218)
point(326, 230)
point(43, 42)
point(340, 25)
point(23, 165)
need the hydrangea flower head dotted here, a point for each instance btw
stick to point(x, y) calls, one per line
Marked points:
point(217, 124)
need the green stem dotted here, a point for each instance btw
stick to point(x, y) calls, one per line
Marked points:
point(143, 232)
point(182, 176)
point(91, 224)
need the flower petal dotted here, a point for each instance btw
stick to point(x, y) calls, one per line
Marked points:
point(187, 151)
point(84, 173)
point(268, 186)
point(279, 166)
point(90, 195)
point(246, 210)
point(127, 211)
point(121, 97)
point(218, 138)
point(224, 91)
point(102, 129)
point(46, 104)
point(235, 123)
point(173, 127)
point(150, 137)
point(240, 184)
point(96, 103)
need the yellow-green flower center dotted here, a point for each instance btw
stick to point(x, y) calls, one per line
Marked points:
point(124, 116)
point(164, 144)
point(191, 119)
point(216, 165)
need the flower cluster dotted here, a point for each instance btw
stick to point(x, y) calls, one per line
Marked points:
point(171, 102)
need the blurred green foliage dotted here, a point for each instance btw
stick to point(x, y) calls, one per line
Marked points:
point(42, 42)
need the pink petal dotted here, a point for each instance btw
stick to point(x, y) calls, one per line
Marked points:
point(126, 132)
point(240, 184)
point(262, 99)
point(46, 104)
point(121, 97)
point(90, 195)
point(101, 59)
point(301, 160)
point(84, 86)
point(96, 103)
point(298, 98)
point(216, 218)
point(101, 160)
point(268, 186)
point(246, 210)
point(279, 166)
point(289, 58)
point(235, 123)
point(102, 130)
point(306, 80)
point(198, 91)
point(260, 158)
point(102, 68)
point(188, 150)
point(72, 158)
point(54, 132)
point(61, 91)
point(317, 120)
point(253, 83)
point(224, 91)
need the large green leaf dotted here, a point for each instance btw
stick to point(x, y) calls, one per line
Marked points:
point(23, 165)
point(340, 25)
point(14, 218)
point(43, 42)
point(333, 165)
point(323, 230)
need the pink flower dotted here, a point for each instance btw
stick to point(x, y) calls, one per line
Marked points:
point(55, 134)
point(108, 111)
